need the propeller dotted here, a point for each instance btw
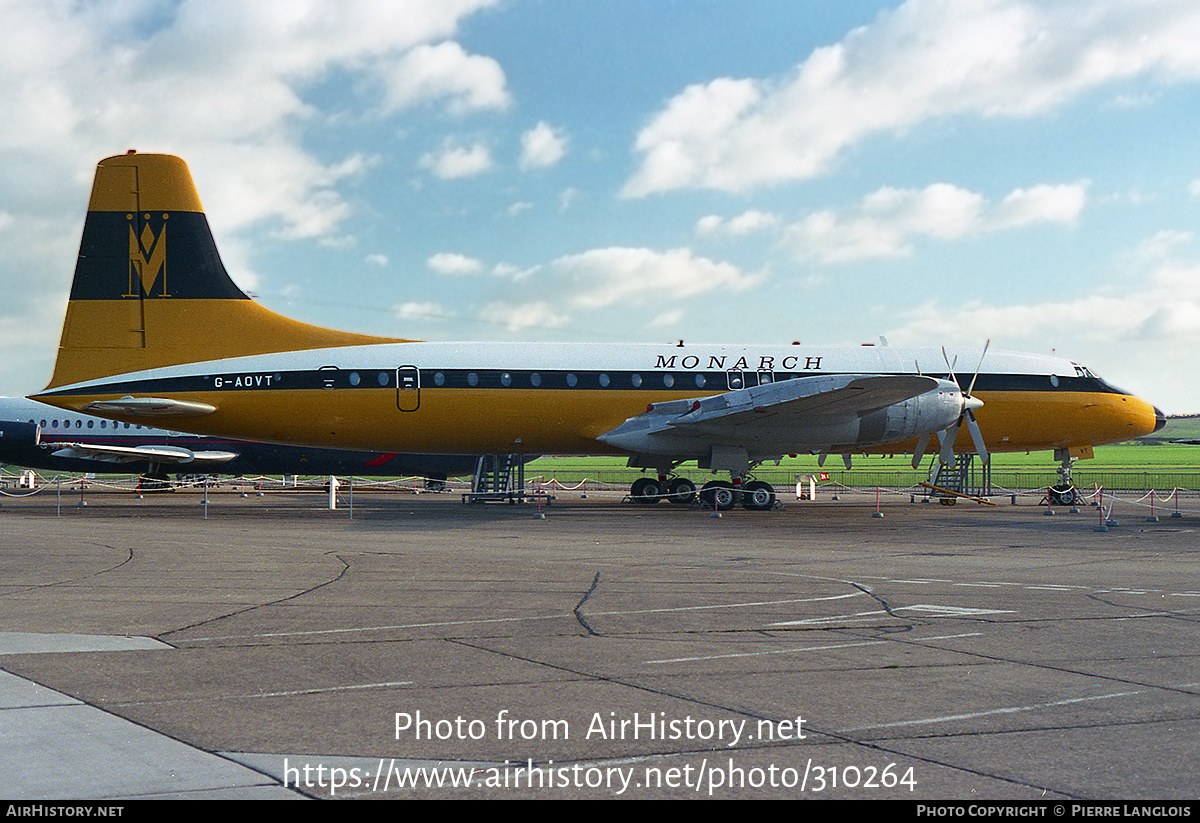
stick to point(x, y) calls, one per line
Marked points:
point(947, 437)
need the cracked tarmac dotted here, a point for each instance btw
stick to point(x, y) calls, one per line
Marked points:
point(610, 650)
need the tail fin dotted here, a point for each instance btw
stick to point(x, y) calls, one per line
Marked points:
point(150, 289)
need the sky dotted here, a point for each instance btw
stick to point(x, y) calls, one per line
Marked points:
point(935, 172)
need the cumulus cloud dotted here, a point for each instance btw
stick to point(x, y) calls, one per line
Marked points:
point(889, 219)
point(925, 59)
point(445, 72)
point(86, 80)
point(452, 162)
point(747, 222)
point(450, 263)
point(567, 198)
point(542, 146)
point(419, 311)
point(604, 277)
point(514, 317)
point(666, 319)
point(1164, 243)
point(620, 279)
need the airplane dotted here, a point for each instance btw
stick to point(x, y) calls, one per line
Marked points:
point(37, 436)
point(155, 329)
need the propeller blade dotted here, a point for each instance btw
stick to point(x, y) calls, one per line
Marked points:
point(948, 437)
point(950, 366)
point(821, 459)
point(971, 388)
point(919, 452)
point(846, 460)
point(977, 438)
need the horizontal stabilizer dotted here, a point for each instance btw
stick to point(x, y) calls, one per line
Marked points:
point(149, 407)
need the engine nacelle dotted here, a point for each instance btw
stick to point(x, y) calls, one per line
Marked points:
point(932, 412)
point(18, 435)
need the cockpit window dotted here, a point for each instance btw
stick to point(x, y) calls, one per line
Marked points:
point(1082, 371)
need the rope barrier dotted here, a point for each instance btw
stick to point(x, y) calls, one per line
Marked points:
point(1153, 500)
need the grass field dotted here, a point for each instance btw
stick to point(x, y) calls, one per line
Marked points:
point(1134, 466)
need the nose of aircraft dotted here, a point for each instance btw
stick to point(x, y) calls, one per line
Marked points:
point(1118, 417)
point(1140, 418)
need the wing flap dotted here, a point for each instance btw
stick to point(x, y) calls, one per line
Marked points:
point(139, 454)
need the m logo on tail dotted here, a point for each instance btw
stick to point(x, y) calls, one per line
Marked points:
point(147, 258)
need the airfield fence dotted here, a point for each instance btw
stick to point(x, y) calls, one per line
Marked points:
point(1125, 479)
point(583, 475)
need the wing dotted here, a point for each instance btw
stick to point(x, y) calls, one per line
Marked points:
point(791, 415)
point(139, 454)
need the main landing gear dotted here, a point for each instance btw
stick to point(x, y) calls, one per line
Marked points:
point(649, 490)
point(715, 494)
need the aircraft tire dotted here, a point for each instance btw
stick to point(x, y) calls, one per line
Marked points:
point(719, 495)
point(681, 491)
point(646, 490)
point(758, 496)
point(1063, 496)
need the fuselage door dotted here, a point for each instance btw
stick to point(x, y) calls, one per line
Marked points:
point(408, 388)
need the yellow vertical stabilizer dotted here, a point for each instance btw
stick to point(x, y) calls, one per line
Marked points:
point(150, 289)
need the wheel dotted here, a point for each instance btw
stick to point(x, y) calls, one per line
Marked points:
point(681, 491)
point(947, 501)
point(717, 494)
point(1062, 495)
point(645, 490)
point(758, 496)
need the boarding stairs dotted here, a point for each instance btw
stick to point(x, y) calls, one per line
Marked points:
point(960, 479)
point(499, 478)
